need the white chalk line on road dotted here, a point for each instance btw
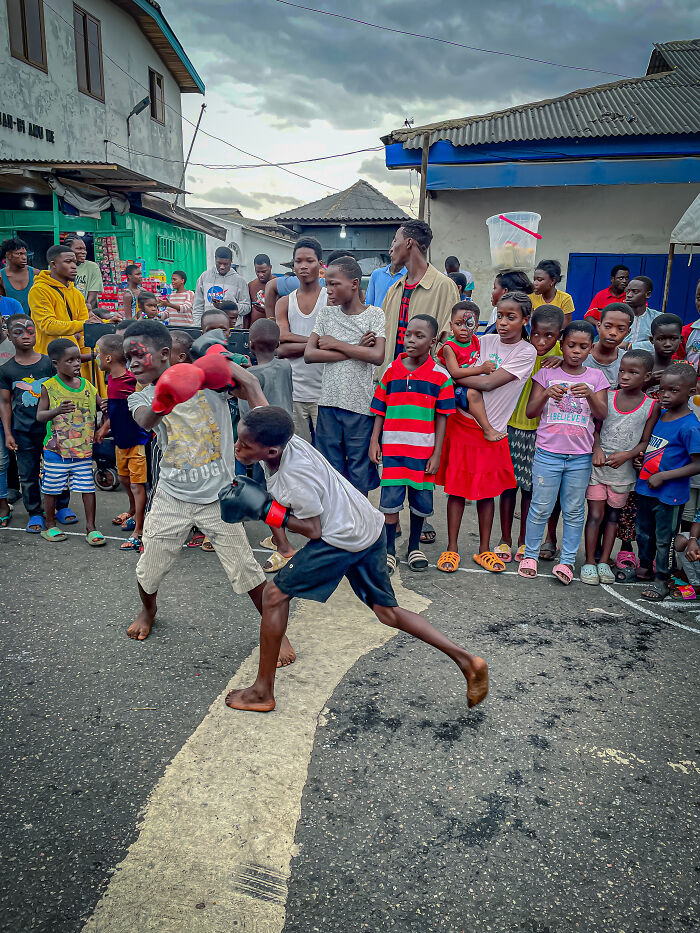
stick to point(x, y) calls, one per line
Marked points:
point(648, 612)
point(216, 838)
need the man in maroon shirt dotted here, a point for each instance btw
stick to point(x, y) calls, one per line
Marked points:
point(619, 279)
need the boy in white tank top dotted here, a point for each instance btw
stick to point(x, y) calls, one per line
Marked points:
point(296, 316)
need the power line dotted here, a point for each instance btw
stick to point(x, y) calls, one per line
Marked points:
point(459, 45)
point(233, 168)
point(252, 155)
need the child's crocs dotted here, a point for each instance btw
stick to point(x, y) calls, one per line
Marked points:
point(504, 552)
point(129, 524)
point(448, 561)
point(605, 574)
point(35, 525)
point(626, 560)
point(520, 553)
point(589, 574)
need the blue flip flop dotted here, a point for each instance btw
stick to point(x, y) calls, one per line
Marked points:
point(35, 525)
point(66, 516)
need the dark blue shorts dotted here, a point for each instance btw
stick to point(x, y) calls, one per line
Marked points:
point(316, 570)
point(420, 501)
point(343, 438)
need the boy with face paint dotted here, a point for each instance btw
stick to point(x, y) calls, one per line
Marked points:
point(196, 440)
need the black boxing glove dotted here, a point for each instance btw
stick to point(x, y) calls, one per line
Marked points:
point(213, 341)
point(244, 500)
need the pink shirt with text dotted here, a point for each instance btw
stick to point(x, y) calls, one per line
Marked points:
point(567, 426)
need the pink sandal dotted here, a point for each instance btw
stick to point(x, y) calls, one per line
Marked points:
point(626, 561)
point(528, 564)
point(563, 573)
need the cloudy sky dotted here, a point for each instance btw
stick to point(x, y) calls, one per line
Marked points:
point(287, 84)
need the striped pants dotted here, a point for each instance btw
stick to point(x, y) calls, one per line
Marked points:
point(166, 529)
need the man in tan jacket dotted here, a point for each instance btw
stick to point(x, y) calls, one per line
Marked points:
point(423, 290)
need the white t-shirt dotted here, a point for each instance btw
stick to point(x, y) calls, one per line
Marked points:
point(308, 484)
point(348, 384)
point(196, 440)
point(516, 358)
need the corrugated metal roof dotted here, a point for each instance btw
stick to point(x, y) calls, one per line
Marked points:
point(656, 104)
point(360, 203)
point(110, 175)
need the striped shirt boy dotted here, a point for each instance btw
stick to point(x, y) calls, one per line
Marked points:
point(409, 401)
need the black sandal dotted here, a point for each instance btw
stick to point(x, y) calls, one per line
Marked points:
point(428, 534)
point(657, 591)
point(626, 575)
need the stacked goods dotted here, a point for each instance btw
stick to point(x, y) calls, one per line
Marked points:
point(107, 257)
point(109, 298)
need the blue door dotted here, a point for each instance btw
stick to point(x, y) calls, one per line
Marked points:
point(588, 273)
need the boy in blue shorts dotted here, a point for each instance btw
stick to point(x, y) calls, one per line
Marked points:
point(346, 539)
point(68, 408)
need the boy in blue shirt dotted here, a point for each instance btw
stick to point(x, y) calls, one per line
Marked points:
point(663, 487)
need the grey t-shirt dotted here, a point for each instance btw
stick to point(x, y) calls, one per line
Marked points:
point(611, 371)
point(196, 442)
point(275, 379)
point(348, 384)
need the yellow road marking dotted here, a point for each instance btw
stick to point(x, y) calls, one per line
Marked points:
point(218, 828)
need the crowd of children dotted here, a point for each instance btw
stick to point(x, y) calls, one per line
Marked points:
point(573, 414)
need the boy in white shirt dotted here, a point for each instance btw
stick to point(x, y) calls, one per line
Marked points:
point(346, 539)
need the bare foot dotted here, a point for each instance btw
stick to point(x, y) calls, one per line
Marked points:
point(250, 699)
point(477, 673)
point(287, 654)
point(141, 627)
point(490, 434)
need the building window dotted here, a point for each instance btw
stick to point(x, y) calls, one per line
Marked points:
point(155, 85)
point(26, 25)
point(165, 248)
point(88, 53)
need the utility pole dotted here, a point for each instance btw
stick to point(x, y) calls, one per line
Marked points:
point(187, 160)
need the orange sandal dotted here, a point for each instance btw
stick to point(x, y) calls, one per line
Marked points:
point(489, 561)
point(448, 561)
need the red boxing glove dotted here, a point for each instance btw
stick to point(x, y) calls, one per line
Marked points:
point(177, 384)
point(216, 371)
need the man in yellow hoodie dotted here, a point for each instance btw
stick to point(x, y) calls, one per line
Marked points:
point(58, 309)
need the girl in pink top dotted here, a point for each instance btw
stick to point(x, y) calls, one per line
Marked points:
point(472, 467)
point(568, 399)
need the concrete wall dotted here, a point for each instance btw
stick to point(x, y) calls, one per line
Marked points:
point(246, 244)
point(614, 219)
point(80, 123)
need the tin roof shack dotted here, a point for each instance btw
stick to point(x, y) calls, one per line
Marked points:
point(610, 168)
point(359, 219)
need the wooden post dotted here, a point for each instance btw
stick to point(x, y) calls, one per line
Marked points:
point(423, 177)
point(667, 283)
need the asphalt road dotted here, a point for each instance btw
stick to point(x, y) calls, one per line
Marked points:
point(563, 803)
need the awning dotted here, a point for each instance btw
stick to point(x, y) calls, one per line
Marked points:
point(102, 174)
point(687, 230)
point(180, 215)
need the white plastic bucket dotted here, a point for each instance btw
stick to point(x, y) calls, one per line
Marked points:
point(511, 247)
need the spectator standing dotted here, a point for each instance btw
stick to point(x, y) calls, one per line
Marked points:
point(296, 317)
point(637, 297)
point(619, 279)
point(88, 279)
point(545, 279)
point(17, 275)
point(179, 302)
point(256, 288)
point(134, 278)
point(381, 281)
point(221, 282)
point(422, 290)
point(348, 338)
point(452, 265)
point(58, 309)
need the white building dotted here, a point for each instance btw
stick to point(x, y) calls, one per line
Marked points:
point(74, 72)
point(609, 168)
point(247, 238)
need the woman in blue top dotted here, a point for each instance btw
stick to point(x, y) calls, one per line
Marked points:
point(16, 274)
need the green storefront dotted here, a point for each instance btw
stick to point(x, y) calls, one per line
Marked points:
point(158, 243)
